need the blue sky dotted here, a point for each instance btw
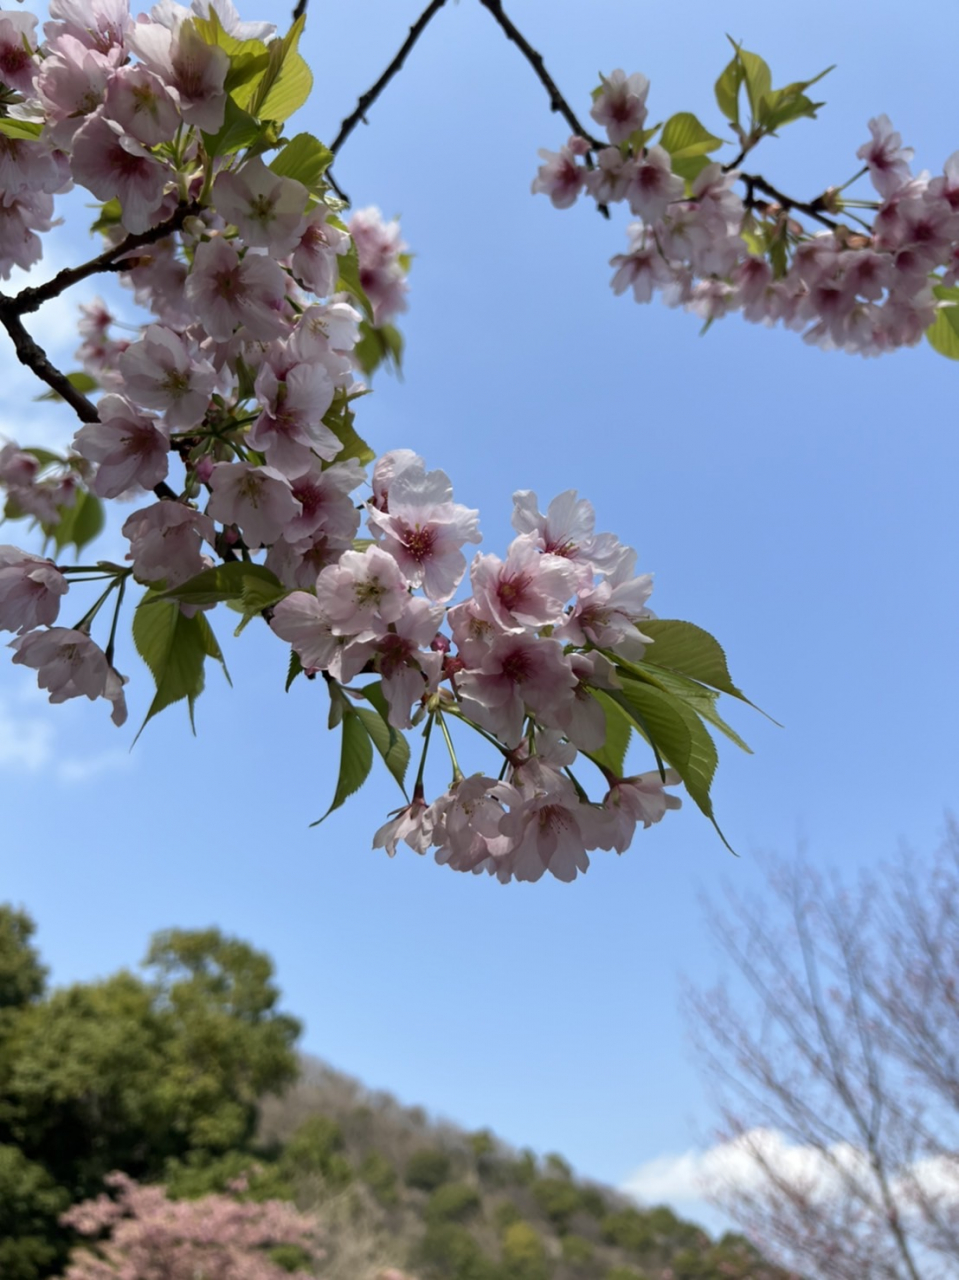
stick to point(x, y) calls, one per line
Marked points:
point(799, 505)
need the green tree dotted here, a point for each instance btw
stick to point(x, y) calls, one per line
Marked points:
point(129, 1073)
point(428, 1169)
point(524, 1253)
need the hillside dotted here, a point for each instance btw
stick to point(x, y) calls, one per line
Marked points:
point(396, 1189)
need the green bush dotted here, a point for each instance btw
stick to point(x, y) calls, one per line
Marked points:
point(524, 1253)
point(453, 1202)
point(428, 1169)
point(558, 1199)
point(557, 1167)
point(593, 1202)
point(630, 1229)
point(448, 1252)
point(380, 1176)
point(576, 1250)
point(505, 1214)
point(316, 1149)
point(201, 1174)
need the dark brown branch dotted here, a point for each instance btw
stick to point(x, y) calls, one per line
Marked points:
point(110, 260)
point(556, 100)
point(34, 357)
point(367, 99)
point(812, 209)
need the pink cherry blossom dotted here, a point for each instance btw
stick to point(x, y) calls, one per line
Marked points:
point(528, 589)
point(160, 372)
point(413, 825)
point(559, 177)
point(379, 248)
point(567, 530)
point(548, 826)
point(129, 446)
point(165, 542)
point(424, 529)
point(466, 825)
point(22, 214)
point(182, 59)
point(110, 163)
point(620, 106)
point(258, 500)
point(97, 24)
point(363, 592)
point(144, 106)
point(228, 291)
point(30, 590)
point(289, 431)
point(18, 64)
point(407, 671)
point(69, 665)
point(518, 671)
point(887, 158)
point(265, 208)
point(638, 799)
point(314, 261)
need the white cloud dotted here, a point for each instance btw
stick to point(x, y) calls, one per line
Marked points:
point(697, 1175)
point(28, 744)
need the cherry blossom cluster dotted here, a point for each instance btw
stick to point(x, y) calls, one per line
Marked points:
point(520, 664)
point(704, 246)
point(227, 421)
point(139, 1231)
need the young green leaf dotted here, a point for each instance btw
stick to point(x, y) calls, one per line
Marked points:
point(696, 696)
point(356, 760)
point(693, 652)
point(77, 525)
point(227, 582)
point(389, 742)
point(349, 280)
point(304, 158)
point(287, 81)
point(175, 648)
point(727, 90)
point(943, 333)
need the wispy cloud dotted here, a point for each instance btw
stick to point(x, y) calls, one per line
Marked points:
point(29, 745)
point(735, 1166)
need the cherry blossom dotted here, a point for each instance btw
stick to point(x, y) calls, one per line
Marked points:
point(131, 448)
point(70, 665)
point(30, 590)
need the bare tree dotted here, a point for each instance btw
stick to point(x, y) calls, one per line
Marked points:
point(835, 1055)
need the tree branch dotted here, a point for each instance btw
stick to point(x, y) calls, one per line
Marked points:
point(34, 357)
point(367, 99)
point(110, 260)
point(812, 209)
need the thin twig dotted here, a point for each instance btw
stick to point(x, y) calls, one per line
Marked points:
point(813, 209)
point(110, 260)
point(367, 99)
point(556, 100)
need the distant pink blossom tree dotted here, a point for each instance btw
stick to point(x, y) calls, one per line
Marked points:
point(141, 1234)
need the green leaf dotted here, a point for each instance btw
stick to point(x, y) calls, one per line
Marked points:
point(45, 457)
point(295, 669)
point(79, 380)
point(943, 333)
point(683, 740)
point(693, 652)
point(612, 754)
point(304, 158)
point(239, 129)
point(389, 742)
point(349, 280)
point(727, 90)
point(339, 419)
point(259, 593)
point(697, 696)
point(175, 649)
point(781, 106)
point(287, 81)
point(79, 524)
point(356, 760)
point(110, 216)
point(231, 581)
point(29, 129)
point(688, 143)
point(378, 344)
point(757, 78)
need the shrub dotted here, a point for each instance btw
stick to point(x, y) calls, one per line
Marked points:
point(453, 1202)
point(558, 1199)
point(428, 1169)
point(316, 1149)
point(524, 1253)
point(576, 1250)
point(380, 1176)
point(630, 1229)
point(448, 1252)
